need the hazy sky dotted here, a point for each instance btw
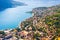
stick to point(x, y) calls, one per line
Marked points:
point(40, 2)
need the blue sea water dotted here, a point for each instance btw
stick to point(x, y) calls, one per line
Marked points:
point(10, 18)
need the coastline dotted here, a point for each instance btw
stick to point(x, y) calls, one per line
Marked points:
point(18, 24)
point(38, 27)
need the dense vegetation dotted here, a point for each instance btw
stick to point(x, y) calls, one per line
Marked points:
point(53, 20)
point(46, 27)
point(51, 17)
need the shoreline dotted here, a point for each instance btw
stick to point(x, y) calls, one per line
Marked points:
point(18, 24)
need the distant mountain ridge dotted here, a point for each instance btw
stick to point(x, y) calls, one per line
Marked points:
point(44, 11)
point(4, 4)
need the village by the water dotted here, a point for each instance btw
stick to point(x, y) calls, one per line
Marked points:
point(43, 25)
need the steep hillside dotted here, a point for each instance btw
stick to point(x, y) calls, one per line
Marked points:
point(44, 11)
point(45, 23)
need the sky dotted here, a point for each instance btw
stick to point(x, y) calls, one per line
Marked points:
point(4, 4)
point(40, 2)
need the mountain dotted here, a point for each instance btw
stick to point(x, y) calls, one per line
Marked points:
point(43, 25)
point(4, 4)
point(39, 11)
point(44, 11)
point(45, 21)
